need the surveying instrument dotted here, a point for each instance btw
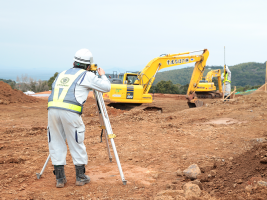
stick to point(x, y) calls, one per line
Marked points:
point(104, 125)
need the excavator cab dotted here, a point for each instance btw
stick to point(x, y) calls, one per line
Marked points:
point(129, 91)
point(130, 79)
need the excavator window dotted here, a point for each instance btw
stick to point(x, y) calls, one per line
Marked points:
point(203, 81)
point(130, 79)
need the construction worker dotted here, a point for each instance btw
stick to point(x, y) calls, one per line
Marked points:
point(69, 92)
point(226, 82)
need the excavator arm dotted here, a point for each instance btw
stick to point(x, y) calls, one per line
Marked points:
point(215, 73)
point(196, 77)
point(147, 76)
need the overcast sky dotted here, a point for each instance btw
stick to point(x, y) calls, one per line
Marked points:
point(45, 34)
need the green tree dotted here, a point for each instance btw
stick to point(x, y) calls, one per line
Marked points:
point(247, 87)
point(51, 80)
point(165, 87)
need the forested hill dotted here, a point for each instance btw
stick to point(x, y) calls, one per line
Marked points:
point(250, 73)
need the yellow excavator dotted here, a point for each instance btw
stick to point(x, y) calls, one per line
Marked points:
point(134, 87)
point(207, 89)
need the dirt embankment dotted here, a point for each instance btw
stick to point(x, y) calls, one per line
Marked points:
point(240, 177)
point(8, 95)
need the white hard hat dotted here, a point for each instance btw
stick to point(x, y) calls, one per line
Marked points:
point(83, 56)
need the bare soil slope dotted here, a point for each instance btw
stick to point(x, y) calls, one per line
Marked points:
point(8, 95)
point(225, 139)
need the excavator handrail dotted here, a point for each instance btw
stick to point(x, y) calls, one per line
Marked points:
point(185, 53)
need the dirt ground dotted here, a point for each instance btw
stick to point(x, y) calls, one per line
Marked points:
point(227, 140)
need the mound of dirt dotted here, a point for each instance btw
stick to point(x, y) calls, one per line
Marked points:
point(8, 95)
point(256, 99)
point(242, 176)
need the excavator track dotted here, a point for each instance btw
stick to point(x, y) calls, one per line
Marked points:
point(209, 95)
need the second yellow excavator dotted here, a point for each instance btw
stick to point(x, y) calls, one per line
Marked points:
point(207, 89)
point(134, 87)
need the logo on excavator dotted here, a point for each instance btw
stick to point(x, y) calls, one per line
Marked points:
point(177, 61)
point(129, 95)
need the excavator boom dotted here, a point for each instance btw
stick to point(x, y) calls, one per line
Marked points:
point(147, 76)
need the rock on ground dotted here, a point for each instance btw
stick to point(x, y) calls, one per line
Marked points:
point(192, 171)
point(262, 183)
point(191, 190)
point(197, 182)
point(179, 173)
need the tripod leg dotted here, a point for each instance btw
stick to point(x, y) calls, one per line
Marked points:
point(102, 125)
point(40, 174)
point(103, 111)
point(118, 161)
point(108, 149)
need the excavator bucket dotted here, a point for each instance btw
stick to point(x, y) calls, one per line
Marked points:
point(196, 103)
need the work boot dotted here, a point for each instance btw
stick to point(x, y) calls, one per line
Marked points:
point(81, 178)
point(60, 175)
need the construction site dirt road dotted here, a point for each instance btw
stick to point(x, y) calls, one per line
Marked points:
point(227, 140)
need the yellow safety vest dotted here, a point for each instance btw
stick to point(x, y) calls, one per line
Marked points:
point(226, 78)
point(66, 100)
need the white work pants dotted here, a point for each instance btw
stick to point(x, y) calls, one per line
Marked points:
point(227, 86)
point(65, 125)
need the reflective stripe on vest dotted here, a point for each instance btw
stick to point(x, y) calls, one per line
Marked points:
point(64, 82)
point(226, 77)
